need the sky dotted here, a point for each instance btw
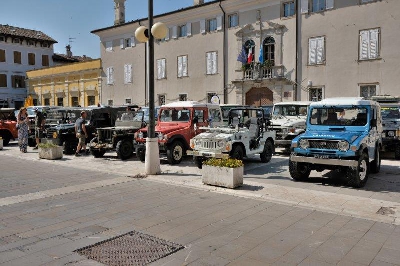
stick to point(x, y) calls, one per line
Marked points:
point(65, 19)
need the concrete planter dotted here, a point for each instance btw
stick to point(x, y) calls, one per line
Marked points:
point(222, 176)
point(1, 144)
point(52, 153)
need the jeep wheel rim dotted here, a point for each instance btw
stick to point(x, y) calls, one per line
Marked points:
point(177, 153)
point(363, 170)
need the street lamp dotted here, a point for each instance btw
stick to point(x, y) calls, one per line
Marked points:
point(142, 34)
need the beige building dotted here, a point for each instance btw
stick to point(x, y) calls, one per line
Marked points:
point(345, 48)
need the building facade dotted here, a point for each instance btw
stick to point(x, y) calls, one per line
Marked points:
point(76, 84)
point(21, 50)
point(248, 52)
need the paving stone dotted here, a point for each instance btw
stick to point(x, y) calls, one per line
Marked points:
point(388, 255)
point(363, 252)
point(11, 255)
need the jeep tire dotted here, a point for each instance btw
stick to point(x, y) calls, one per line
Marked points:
point(266, 155)
point(175, 152)
point(68, 147)
point(397, 151)
point(124, 149)
point(237, 152)
point(141, 153)
point(299, 171)
point(357, 176)
point(6, 138)
point(376, 164)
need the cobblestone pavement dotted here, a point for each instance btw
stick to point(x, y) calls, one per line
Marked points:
point(50, 208)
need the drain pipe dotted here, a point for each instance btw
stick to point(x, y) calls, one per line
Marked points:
point(298, 17)
point(224, 54)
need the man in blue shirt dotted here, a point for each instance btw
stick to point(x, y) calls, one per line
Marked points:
point(81, 133)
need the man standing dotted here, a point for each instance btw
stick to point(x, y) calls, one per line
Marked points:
point(39, 126)
point(128, 116)
point(81, 133)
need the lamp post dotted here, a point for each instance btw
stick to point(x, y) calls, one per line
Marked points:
point(142, 34)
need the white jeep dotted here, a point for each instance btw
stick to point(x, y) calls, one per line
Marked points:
point(248, 134)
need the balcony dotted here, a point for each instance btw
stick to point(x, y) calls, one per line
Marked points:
point(259, 72)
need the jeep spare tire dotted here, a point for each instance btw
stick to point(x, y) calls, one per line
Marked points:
point(124, 149)
point(266, 155)
point(175, 152)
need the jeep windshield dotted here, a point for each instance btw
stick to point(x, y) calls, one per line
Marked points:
point(339, 116)
point(175, 115)
point(392, 112)
point(290, 110)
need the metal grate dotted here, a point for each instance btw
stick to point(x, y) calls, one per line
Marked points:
point(323, 144)
point(132, 248)
point(209, 144)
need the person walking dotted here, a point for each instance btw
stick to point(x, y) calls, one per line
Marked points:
point(23, 129)
point(39, 126)
point(81, 133)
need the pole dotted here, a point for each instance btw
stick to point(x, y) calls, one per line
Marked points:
point(298, 17)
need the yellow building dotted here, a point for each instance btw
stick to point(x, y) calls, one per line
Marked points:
point(77, 84)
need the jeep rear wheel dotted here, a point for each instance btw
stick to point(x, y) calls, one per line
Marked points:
point(357, 176)
point(299, 171)
point(68, 147)
point(376, 163)
point(397, 152)
point(237, 152)
point(266, 155)
point(175, 152)
point(5, 138)
point(141, 154)
point(124, 149)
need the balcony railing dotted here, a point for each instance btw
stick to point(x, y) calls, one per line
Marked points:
point(258, 72)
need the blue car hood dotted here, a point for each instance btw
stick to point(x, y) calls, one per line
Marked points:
point(350, 136)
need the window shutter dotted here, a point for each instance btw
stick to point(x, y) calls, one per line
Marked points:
point(304, 6)
point(219, 23)
point(125, 73)
point(189, 29)
point(159, 69)
point(184, 66)
point(163, 68)
point(209, 63)
point(128, 73)
point(203, 26)
point(133, 44)
point(215, 62)
point(174, 32)
point(13, 81)
point(320, 50)
point(373, 43)
point(121, 43)
point(364, 41)
point(329, 4)
point(312, 47)
point(179, 66)
point(167, 35)
point(108, 75)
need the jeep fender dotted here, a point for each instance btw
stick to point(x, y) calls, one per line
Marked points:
point(180, 138)
point(363, 148)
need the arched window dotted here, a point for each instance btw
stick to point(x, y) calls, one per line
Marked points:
point(269, 49)
point(249, 46)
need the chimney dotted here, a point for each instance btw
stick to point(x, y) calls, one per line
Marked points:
point(198, 2)
point(119, 10)
point(69, 53)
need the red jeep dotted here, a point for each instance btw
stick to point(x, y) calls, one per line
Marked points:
point(8, 122)
point(178, 122)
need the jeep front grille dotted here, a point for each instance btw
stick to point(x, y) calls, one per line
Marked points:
point(324, 144)
point(104, 135)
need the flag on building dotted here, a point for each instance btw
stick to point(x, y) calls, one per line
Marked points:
point(261, 57)
point(250, 56)
point(242, 57)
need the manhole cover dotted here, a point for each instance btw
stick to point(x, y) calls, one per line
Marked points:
point(133, 248)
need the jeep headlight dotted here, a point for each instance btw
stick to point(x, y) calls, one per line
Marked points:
point(192, 143)
point(55, 134)
point(140, 135)
point(391, 133)
point(304, 144)
point(343, 145)
point(221, 144)
point(160, 136)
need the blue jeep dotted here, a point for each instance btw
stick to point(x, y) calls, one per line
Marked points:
point(342, 134)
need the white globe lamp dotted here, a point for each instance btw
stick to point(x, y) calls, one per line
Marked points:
point(159, 30)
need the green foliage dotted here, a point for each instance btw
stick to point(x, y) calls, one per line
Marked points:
point(47, 145)
point(230, 163)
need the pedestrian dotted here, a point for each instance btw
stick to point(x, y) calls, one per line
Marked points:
point(39, 126)
point(81, 133)
point(23, 129)
point(128, 115)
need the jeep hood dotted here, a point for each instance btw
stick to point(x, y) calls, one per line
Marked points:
point(167, 128)
point(287, 121)
point(214, 135)
point(328, 135)
point(391, 124)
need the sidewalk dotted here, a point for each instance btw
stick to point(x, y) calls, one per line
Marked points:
point(60, 209)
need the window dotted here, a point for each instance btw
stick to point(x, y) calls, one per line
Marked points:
point(318, 5)
point(31, 59)
point(367, 1)
point(128, 101)
point(109, 46)
point(60, 101)
point(31, 43)
point(128, 42)
point(128, 73)
point(2, 55)
point(161, 99)
point(369, 44)
point(233, 20)
point(47, 101)
point(91, 100)
point(45, 44)
point(161, 68)
point(2, 39)
point(74, 101)
point(210, 95)
point(212, 63)
point(17, 57)
point(367, 91)
point(200, 115)
point(316, 51)
point(182, 66)
point(110, 75)
point(16, 40)
point(182, 31)
point(315, 94)
point(45, 60)
point(288, 9)
point(18, 81)
point(183, 97)
point(3, 80)
point(110, 102)
point(212, 24)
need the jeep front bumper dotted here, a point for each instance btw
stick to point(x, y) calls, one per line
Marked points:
point(312, 160)
point(279, 142)
point(208, 154)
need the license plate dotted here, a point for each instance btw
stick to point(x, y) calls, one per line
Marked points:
point(207, 154)
point(319, 156)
